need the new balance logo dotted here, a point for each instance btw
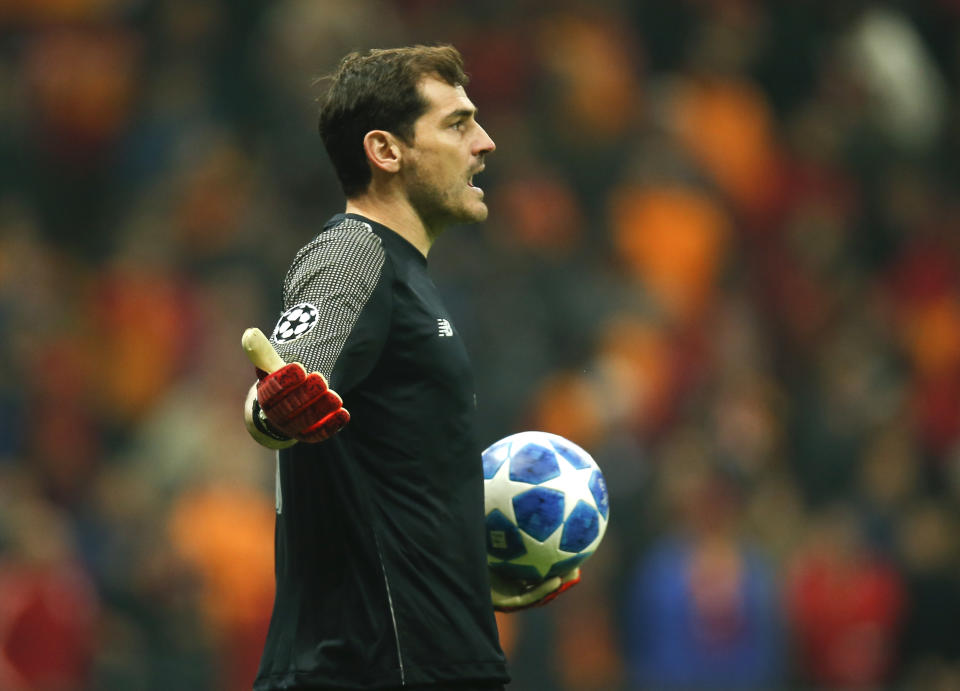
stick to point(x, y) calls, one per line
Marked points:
point(444, 328)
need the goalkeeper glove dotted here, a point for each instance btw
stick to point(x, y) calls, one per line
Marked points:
point(510, 596)
point(288, 404)
point(299, 405)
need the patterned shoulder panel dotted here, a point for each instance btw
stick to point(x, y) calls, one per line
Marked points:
point(349, 248)
point(326, 288)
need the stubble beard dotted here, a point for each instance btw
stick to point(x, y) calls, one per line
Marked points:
point(440, 208)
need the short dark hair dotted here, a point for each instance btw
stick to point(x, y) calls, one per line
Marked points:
point(378, 90)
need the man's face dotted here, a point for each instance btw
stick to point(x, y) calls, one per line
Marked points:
point(447, 150)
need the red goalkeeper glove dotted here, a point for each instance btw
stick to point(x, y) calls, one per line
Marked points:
point(510, 596)
point(300, 405)
point(289, 402)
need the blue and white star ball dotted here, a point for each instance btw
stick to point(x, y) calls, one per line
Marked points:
point(546, 506)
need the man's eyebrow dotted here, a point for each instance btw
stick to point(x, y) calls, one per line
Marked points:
point(461, 113)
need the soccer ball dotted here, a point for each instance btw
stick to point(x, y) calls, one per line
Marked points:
point(546, 506)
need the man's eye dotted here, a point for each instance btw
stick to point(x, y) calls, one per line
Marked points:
point(458, 126)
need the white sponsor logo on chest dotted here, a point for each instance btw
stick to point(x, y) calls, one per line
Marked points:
point(444, 328)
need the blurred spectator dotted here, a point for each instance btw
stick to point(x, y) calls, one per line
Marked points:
point(593, 64)
point(930, 648)
point(703, 608)
point(224, 533)
point(890, 479)
point(672, 240)
point(49, 609)
point(845, 605)
point(586, 654)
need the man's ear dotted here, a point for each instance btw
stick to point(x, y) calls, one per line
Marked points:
point(383, 150)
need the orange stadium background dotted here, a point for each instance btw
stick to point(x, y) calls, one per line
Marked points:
point(723, 256)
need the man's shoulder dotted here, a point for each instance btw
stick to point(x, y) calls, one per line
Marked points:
point(343, 231)
point(345, 256)
point(347, 225)
point(343, 242)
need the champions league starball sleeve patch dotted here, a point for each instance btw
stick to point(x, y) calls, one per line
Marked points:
point(295, 322)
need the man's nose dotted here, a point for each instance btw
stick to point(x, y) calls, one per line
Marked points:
point(485, 144)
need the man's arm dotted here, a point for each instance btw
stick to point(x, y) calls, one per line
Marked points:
point(340, 275)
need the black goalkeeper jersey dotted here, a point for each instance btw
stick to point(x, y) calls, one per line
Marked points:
point(380, 556)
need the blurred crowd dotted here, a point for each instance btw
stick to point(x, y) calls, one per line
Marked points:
point(723, 256)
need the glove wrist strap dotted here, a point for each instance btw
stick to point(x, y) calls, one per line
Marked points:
point(259, 428)
point(263, 425)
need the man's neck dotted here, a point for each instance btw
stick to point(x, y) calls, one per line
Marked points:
point(395, 214)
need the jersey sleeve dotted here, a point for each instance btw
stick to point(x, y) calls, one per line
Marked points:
point(337, 305)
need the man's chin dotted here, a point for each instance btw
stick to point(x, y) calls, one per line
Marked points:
point(475, 213)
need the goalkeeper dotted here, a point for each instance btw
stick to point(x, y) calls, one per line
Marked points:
point(380, 554)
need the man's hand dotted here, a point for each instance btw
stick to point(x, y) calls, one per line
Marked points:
point(510, 596)
point(296, 405)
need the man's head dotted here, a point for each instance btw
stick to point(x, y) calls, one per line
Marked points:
point(404, 113)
